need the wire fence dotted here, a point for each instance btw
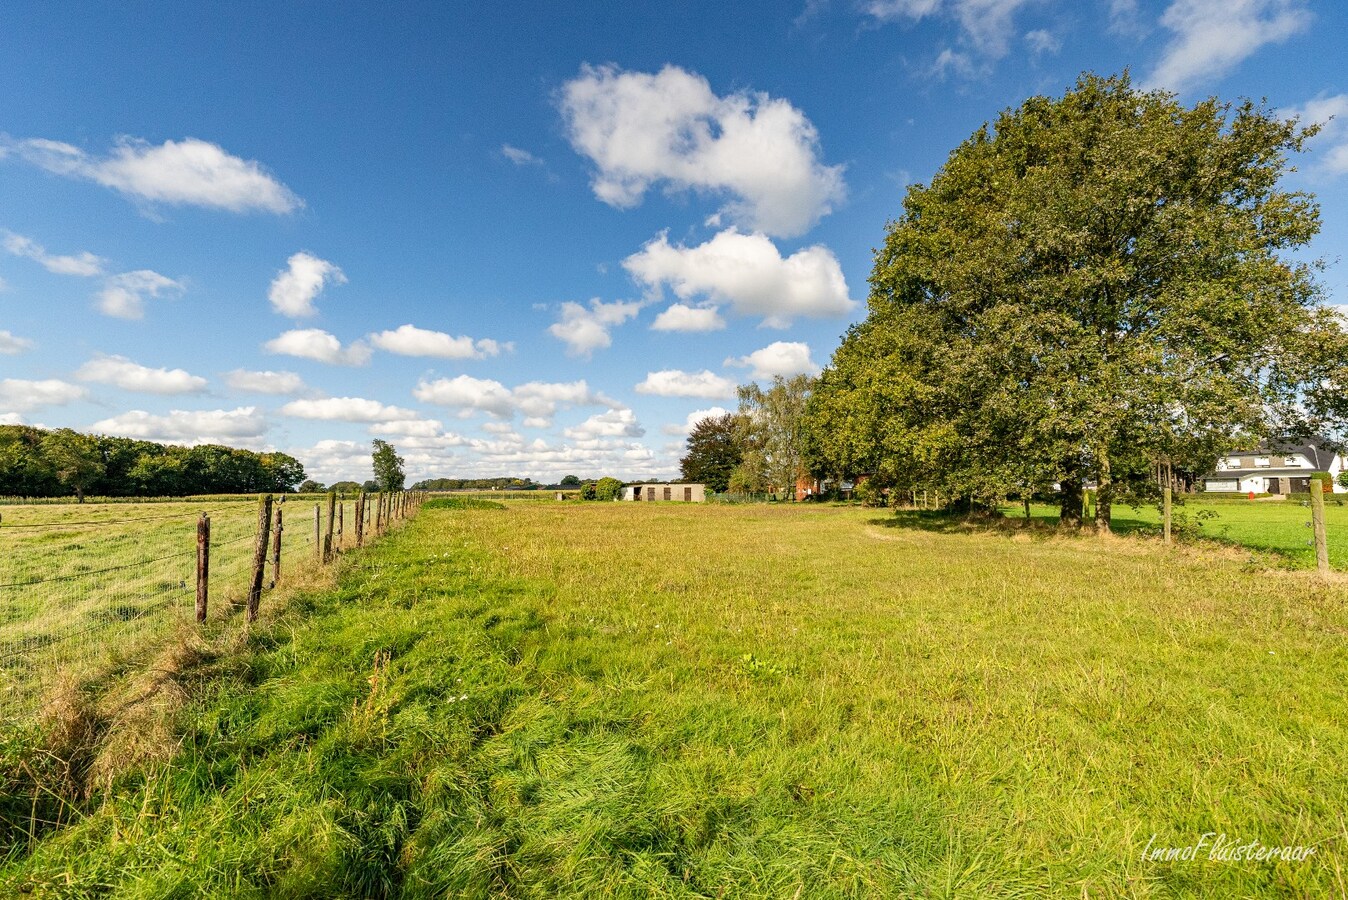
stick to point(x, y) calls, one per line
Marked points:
point(85, 587)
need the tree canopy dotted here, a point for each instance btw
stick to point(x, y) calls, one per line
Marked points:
point(769, 429)
point(1097, 285)
point(388, 467)
point(713, 452)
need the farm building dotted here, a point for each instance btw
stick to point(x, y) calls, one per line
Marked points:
point(1275, 469)
point(681, 493)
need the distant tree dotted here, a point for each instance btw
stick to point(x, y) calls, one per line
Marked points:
point(74, 458)
point(345, 487)
point(388, 467)
point(607, 489)
point(570, 481)
point(770, 430)
point(312, 487)
point(370, 486)
point(587, 491)
point(280, 472)
point(713, 452)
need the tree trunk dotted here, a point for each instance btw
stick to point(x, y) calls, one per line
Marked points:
point(1069, 511)
point(1104, 494)
point(79, 493)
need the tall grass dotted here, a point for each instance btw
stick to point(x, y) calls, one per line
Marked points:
point(604, 700)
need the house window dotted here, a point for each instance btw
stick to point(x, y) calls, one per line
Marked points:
point(1233, 462)
point(1261, 462)
point(1292, 462)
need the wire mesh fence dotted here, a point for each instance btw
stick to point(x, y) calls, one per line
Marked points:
point(84, 585)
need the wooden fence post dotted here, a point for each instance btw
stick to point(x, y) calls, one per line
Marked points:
point(1165, 512)
point(332, 520)
point(360, 519)
point(276, 545)
point(318, 531)
point(203, 564)
point(341, 525)
point(1318, 525)
point(259, 555)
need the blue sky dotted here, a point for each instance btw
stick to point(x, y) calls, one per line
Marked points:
point(521, 242)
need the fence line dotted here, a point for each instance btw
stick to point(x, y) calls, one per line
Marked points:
point(78, 594)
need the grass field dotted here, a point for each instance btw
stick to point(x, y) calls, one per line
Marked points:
point(1276, 527)
point(608, 700)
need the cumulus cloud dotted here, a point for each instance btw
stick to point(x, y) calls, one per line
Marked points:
point(537, 401)
point(1211, 37)
point(123, 296)
point(642, 130)
point(318, 345)
point(612, 424)
point(189, 172)
point(19, 395)
point(411, 427)
point(586, 330)
point(688, 424)
point(121, 372)
point(266, 382)
point(784, 358)
point(1331, 113)
point(207, 426)
point(986, 26)
point(346, 409)
point(83, 264)
point(11, 345)
point(677, 383)
point(408, 340)
point(294, 289)
point(747, 272)
point(681, 317)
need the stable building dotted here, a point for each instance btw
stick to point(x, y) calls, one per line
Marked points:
point(676, 493)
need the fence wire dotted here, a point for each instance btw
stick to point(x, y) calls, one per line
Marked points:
point(82, 586)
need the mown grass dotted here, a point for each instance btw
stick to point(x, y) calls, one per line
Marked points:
point(1280, 527)
point(610, 700)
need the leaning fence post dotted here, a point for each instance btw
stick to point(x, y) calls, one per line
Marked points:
point(360, 519)
point(1165, 503)
point(203, 564)
point(276, 546)
point(1318, 525)
point(259, 554)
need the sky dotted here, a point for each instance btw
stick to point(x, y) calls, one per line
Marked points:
point(528, 239)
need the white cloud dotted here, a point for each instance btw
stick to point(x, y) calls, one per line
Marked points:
point(84, 264)
point(131, 376)
point(681, 317)
point(19, 395)
point(697, 415)
point(189, 172)
point(408, 340)
point(1331, 113)
point(986, 26)
point(11, 345)
point(784, 358)
point(410, 427)
point(1125, 19)
point(641, 130)
point(234, 426)
point(520, 157)
point(612, 424)
point(11, 419)
point(294, 289)
point(586, 330)
point(677, 383)
point(346, 409)
point(317, 344)
point(1211, 37)
point(1041, 41)
point(538, 401)
point(500, 428)
point(747, 272)
point(329, 461)
point(268, 382)
point(123, 296)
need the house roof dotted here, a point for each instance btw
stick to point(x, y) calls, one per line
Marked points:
point(1318, 450)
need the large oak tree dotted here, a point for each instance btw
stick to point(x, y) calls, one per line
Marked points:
point(1096, 285)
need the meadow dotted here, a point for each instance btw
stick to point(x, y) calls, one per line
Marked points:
point(621, 700)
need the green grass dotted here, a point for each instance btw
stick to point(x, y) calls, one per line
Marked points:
point(1272, 526)
point(633, 700)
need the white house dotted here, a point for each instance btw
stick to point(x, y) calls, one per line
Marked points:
point(1275, 469)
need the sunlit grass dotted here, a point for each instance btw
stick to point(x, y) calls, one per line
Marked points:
point(598, 700)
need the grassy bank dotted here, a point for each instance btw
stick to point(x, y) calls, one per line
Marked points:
point(776, 701)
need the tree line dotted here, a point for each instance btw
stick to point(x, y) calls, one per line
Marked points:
point(1099, 290)
point(36, 462)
